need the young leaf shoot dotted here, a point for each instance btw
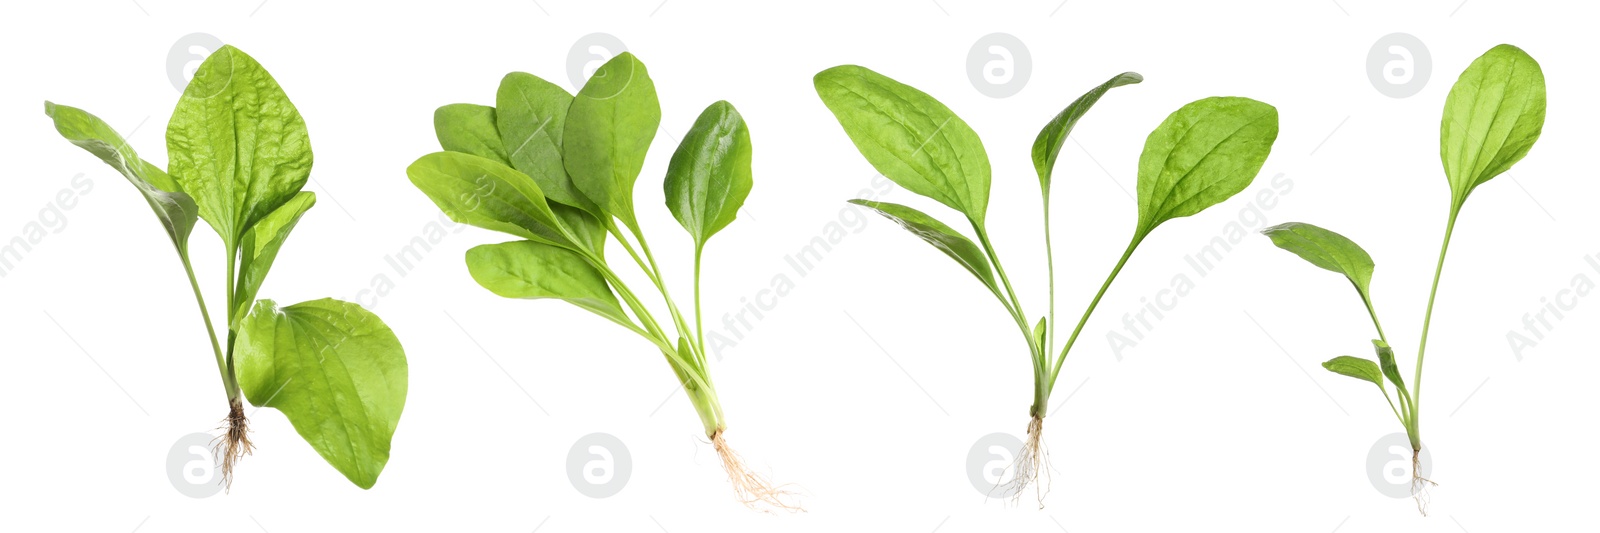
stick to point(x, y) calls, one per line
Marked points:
point(1203, 153)
point(238, 155)
point(1493, 115)
point(557, 171)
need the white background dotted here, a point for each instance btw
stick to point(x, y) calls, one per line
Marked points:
point(1219, 419)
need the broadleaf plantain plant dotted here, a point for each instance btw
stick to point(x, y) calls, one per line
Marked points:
point(1493, 115)
point(558, 171)
point(238, 155)
point(1202, 154)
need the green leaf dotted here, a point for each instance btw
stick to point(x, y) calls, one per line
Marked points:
point(469, 129)
point(1325, 249)
point(709, 176)
point(1355, 367)
point(260, 247)
point(609, 128)
point(909, 137)
point(531, 270)
point(1493, 115)
point(236, 144)
point(947, 240)
point(533, 116)
point(1039, 334)
point(335, 370)
point(1386, 361)
point(483, 193)
point(1048, 145)
point(1202, 154)
point(175, 209)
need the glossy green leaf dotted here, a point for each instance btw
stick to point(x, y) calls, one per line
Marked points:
point(1325, 249)
point(1039, 333)
point(1493, 115)
point(260, 247)
point(175, 209)
point(335, 370)
point(469, 129)
point(236, 144)
point(1202, 154)
point(909, 137)
point(709, 176)
point(1047, 147)
point(1355, 367)
point(483, 193)
point(531, 270)
point(533, 116)
point(1387, 364)
point(947, 240)
point(609, 128)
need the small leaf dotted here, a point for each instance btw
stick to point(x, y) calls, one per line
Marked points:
point(260, 247)
point(909, 137)
point(469, 129)
point(1355, 367)
point(175, 209)
point(1047, 147)
point(532, 118)
point(1493, 115)
point(236, 144)
point(1386, 362)
point(1039, 334)
point(608, 130)
point(709, 176)
point(335, 370)
point(483, 193)
point(531, 270)
point(1202, 154)
point(947, 240)
point(1325, 249)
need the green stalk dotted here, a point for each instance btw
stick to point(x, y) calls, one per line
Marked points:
point(1427, 318)
point(231, 378)
point(1040, 395)
point(699, 325)
point(1062, 359)
point(211, 332)
point(1050, 270)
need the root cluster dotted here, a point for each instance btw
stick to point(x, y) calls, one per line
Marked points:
point(1032, 461)
point(1420, 486)
point(234, 443)
point(752, 489)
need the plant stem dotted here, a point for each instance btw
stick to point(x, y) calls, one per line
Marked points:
point(1062, 359)
point(699, 324)
point(211, 332)
point(1427, 319)
point(1050, 270)
point(1040, 394)
point(231, 378)
point(1374, 314)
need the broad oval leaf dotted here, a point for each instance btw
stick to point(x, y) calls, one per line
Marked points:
point(532, 270)
point(335, 370)
point(172, 206)
point(533, 116)
point(709, 176)
point(1202, 154)
point(469, 129)
point(236, 144)
point(1325, 249)
point(1355, 367)
point(909, 137)
point(947, 240)
point(260, 247)
point(1047, 147)
point(483, 193)
point(609, 128)
point(1493, 115)
point(1387, 364)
